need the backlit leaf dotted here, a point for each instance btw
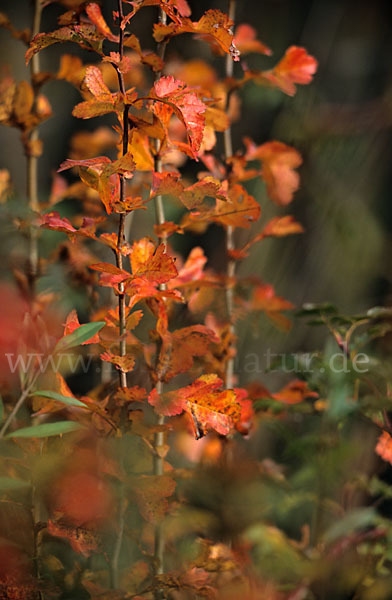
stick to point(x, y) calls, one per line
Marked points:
point(69, 401)
point(278, 164)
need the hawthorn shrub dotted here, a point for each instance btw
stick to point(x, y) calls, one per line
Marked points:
point(134, 465)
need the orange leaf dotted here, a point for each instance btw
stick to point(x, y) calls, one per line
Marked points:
point(158, 268)
point(123, 363)
point(181, 346)
point(297, 66)
point(214, 25)
point(86, 36)
point(295, 392)
point(384, 447)
point(83, 541)
point(245, 39)
point(240, 210)
point(208, 407)
point(94, 13)
point(278, 164)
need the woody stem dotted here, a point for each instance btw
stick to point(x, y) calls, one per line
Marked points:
point(230, 269)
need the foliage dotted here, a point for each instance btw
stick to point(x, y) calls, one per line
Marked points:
point(149, 484)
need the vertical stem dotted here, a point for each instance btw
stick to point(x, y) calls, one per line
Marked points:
point(114, 563)
point(32, 161)
point(230, 270)
point(121, 226)
point(159, 541)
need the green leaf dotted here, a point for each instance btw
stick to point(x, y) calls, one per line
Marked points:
point(80, 335)
point(356, 519)
point(59, 397)
point(45, 430)
point(8, 483)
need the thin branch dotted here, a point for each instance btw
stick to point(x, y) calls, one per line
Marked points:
point(32, 161)
point(121, 226)
point(21, 400)
point(159, 440)
point(230, 270)
point(114, 563)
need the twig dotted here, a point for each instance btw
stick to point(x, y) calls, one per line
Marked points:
point(22, 398)
point(114, 563)
point(230, 270)
point(32, 161)
point(159, 541)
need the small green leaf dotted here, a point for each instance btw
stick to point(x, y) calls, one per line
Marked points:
point(80, 335)
point(45, 430)
point(8, 483)
point(59, 397)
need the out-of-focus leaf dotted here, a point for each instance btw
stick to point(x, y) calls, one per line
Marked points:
point(356, 519)
point(45, 430)
point(10, 484)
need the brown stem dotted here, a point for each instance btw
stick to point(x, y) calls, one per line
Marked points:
point(159, 541)
point(230, 270)
point(121, 226)
point(114, 563)
point(32, 161)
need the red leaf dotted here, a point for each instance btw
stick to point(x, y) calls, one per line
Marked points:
point(245, 39)
point(282, 226)
point(384, 447)
point(295, 392)
point(297, 66)
point(123, 363)
point(186, 105)
point(278, 164)
point(53, 221)
point(94, 13)
point(72, 323)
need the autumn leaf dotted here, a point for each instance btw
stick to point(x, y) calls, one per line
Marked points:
point(95, 84)
point(278, 164)
point(384, 446)
point(86, 36)
point(191, 196)
point(53, 221)
point(277, 227)
point(152, 492)
point(297, 66)
point(295, 392)
point(123, 363)
point(94, 13)
point(157, 268)
point(240, 210)
point(245, 39)
point(186, 105)
point(83, 541)
point(214, 26)
point(72, 323)
point(208, 407)
point(182, 346)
